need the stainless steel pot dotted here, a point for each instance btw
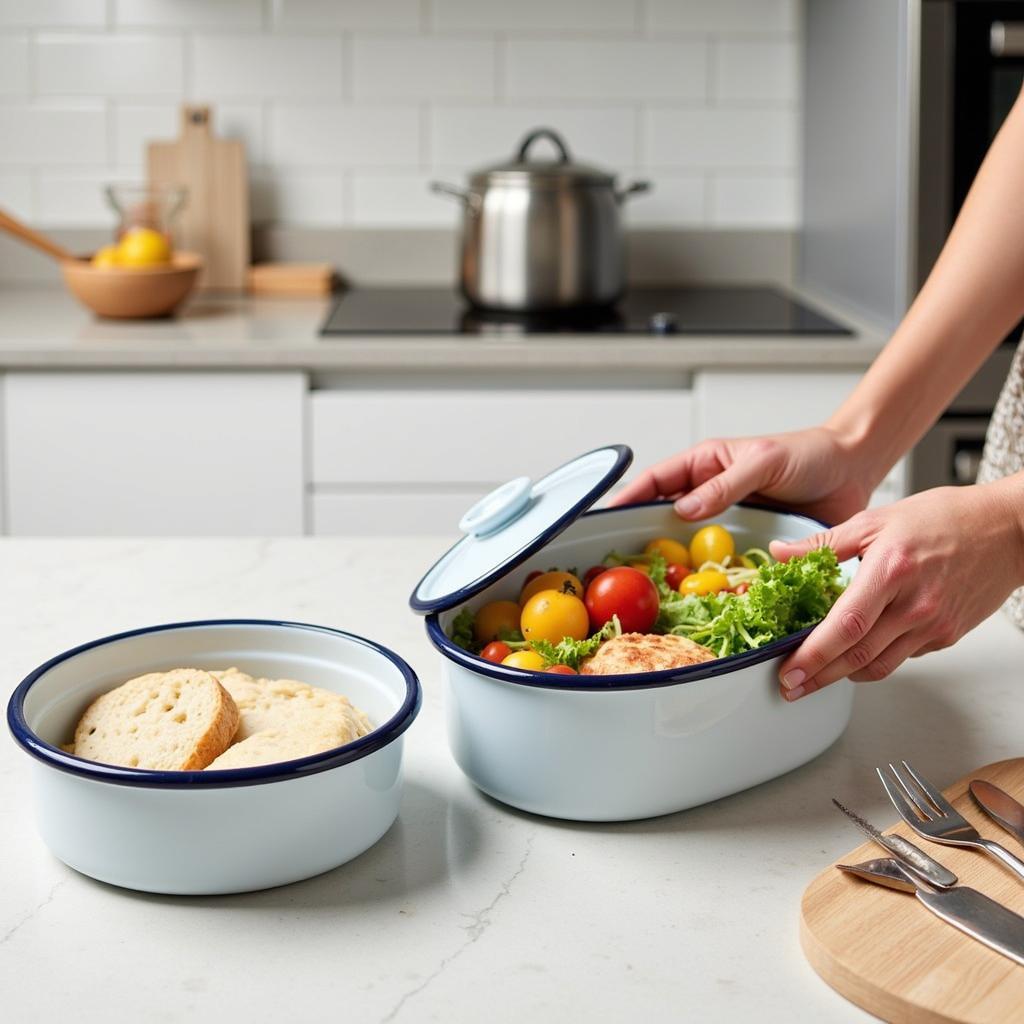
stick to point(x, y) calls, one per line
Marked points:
point(541, 235)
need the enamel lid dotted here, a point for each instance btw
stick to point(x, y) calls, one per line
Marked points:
point(515, 521)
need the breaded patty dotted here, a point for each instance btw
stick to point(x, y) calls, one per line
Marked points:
point(644, 652)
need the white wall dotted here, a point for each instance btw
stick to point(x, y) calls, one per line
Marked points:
point(348, 108)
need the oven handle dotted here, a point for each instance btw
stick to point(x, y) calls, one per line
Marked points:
point(1006, 38)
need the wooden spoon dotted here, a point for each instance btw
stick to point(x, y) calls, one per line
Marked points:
point(15, 227)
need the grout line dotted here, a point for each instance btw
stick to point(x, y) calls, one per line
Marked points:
point(427, 25)
point(347, 67)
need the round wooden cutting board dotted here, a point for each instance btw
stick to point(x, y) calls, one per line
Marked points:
point(886, 952)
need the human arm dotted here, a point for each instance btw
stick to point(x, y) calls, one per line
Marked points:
point(972, 298)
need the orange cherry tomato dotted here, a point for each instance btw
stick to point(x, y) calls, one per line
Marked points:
point(494, 619)
point(563, 581)
point(669, 549)
point(562, 670)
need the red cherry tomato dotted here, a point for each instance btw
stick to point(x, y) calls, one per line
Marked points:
point(496, 652)
point(624, 592)
point(592, 573)
point(532, 576)
point(676, 573)
point(741, 588)
point(562, 670)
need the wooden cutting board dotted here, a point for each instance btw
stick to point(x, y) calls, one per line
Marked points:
point(215, 219)
point(889, 954)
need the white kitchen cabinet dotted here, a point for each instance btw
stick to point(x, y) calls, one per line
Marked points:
point(737, 404)
point(378, 455)
point(163, 453)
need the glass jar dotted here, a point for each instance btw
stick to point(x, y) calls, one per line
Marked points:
point(145, 206)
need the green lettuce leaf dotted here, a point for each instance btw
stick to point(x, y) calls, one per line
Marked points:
point(572, 652)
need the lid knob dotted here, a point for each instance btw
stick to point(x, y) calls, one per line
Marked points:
point(497, 509)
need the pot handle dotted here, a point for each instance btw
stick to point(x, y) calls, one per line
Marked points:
point(634, 188)
point(544, 133)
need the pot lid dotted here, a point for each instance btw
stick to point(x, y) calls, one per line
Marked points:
point(522, 169)
point(510, 524)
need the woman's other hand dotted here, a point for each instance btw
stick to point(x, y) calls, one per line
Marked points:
point(933, 566)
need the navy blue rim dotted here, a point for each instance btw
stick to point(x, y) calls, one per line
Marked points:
point(635, 680)
point(624, 456)
point(224, 778)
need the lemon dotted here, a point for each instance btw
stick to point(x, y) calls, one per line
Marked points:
point(143, 247)
point(105, 257)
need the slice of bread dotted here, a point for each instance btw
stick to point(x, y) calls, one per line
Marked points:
point(167, 721)
point(290, 705)
point(268, 746)
point(644, 652)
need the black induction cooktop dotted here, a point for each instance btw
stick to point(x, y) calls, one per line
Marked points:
point(643, 311)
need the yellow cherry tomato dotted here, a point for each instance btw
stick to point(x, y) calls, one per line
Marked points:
point(529, 660)
point(711, 544)
point(736, 561)
point(672, 551)
point(552, 615)
point(494, 619)
point(710, 581)
point(550, 581)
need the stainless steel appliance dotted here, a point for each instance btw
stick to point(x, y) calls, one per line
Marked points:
point(541, 235)
point(972, 68)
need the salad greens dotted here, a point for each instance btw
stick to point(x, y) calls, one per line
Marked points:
point(572, 652)
point(785, 597)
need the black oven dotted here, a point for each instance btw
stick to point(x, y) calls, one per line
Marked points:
point(971, 72)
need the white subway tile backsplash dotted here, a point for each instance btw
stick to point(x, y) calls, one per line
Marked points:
point(14, 77)
point(536, 15)
point(53, 13)
point(723, 15)
point(72, 199)
point(721, 138)
point(328, 134)
point(137, 124)
point(193, 14)
point(601, 69)
point(251, 66)
point(53, 133)
point(471, 136)
point(754, 201)
point(396, 15)
point(394, 200)
point(292, 197)
point(16, 193)
point(415, 67)
point(109, 65)
point(763, 70)
point(676, 199)
point(349, 107)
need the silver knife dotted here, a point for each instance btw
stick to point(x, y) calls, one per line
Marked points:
point(927, 868)
point(1000, 807)
point(967, 909)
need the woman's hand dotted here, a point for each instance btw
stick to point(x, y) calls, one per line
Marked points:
point(933, 566)
point(811, 471)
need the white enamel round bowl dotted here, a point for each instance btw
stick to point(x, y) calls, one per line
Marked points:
point(225, 831)
point(612, 748)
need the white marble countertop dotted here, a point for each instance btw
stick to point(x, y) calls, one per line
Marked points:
point(42, 327)
point(466, 910)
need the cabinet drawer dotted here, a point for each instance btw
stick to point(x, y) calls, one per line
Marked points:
point(738, 404)
point(478, 437)
point(150, 454)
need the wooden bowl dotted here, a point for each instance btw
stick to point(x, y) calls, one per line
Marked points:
point(131, 293)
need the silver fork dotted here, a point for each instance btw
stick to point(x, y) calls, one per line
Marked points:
point(932, 816)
